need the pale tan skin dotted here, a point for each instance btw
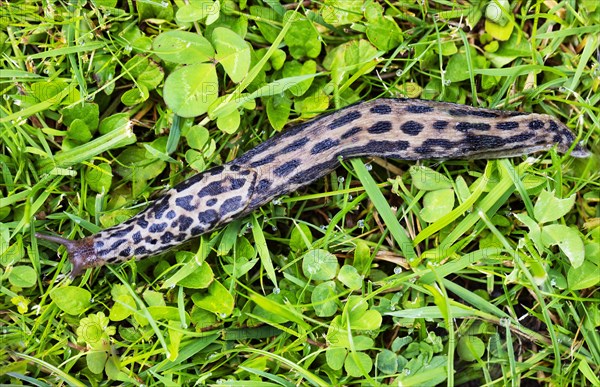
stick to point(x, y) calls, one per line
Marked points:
point(394, 128)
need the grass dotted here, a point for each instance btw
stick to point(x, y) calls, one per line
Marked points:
point(455, 273)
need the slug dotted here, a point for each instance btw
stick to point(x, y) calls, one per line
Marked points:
point(406, 129)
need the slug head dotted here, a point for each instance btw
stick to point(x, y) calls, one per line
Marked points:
point(81, 253)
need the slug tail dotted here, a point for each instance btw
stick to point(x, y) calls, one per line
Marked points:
point(82, 254)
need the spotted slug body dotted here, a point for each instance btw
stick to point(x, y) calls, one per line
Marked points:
point(404, 129)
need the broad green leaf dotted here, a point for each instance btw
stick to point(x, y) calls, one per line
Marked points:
point(338, 12)
point(370, 320)
point(200, 278)
point(23, 276)
point(583, 277)
point(324, 299)
point(79, 131)
point(169, 313)
point(197, 10)
point(499, 32)
point(548, 207)
point(335, 357)
point(197, 136)
point(135, 166)
point(87, 112)
point(387, 362)
point(427, 179)
point(123, 307)
point(436, 204)
point(190, 90)
point(229, 123)
point(71, 299)
point(362, 257)
point(113, 122)
point(384, 33)
point(300, 238)
point(349, 276)
point(319, 265)
point(295, 68)
point(470, 348)
point(233, 53)
point(268, 30)
point(96, 360)
point(302, 38)
point(358, 364)
point(567, 239)
point(135, 96)
point(218, 300)
point(183, 47)
point(145, 71)
point(313, 104)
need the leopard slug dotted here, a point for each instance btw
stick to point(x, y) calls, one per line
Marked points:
point(406, 129)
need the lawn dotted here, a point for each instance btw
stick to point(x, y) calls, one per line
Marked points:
point(464, 272)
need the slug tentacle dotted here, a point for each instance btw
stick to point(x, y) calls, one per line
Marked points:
point(405, 129)
point(81, 253)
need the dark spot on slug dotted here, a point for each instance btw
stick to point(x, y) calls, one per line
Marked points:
point(466, 126)
point(286, 168)
point(189, 182)
point(557, 139)
point(166, 237)
point(216, 170)
point(508, 125)
point(263, 161)
point(185, 203)
point(230, 205)
point(143, 223)
point(479, 142)
point(381, 109)
point(211, 202)
point(209, 217)
point(440, 125)
point(137, 237)
point(197, 230)
point(435, 142)
point(344, 120)
point(324, 145)
point(212, 189)
point(458, 112)
point(117, 244)
point(98, 244)
point(553, 127)
point(381, 147)
point(123, 232)
point(140, 250)
point(412, 128)
point(235, 168)
point(181, 237)
point(442, 143)
point(245, 172)
point(298, 144)
point(483, 113)
point(237, 183)
point(171, 214)
point(536, 124)
point(520, 137)
point(185, 222)
point(161, 206)
point(419, 109)
point(125, 252)
point(568, 135)
point(351, 132)
point(263, 185)
point(380, 127)
point(158, 227)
